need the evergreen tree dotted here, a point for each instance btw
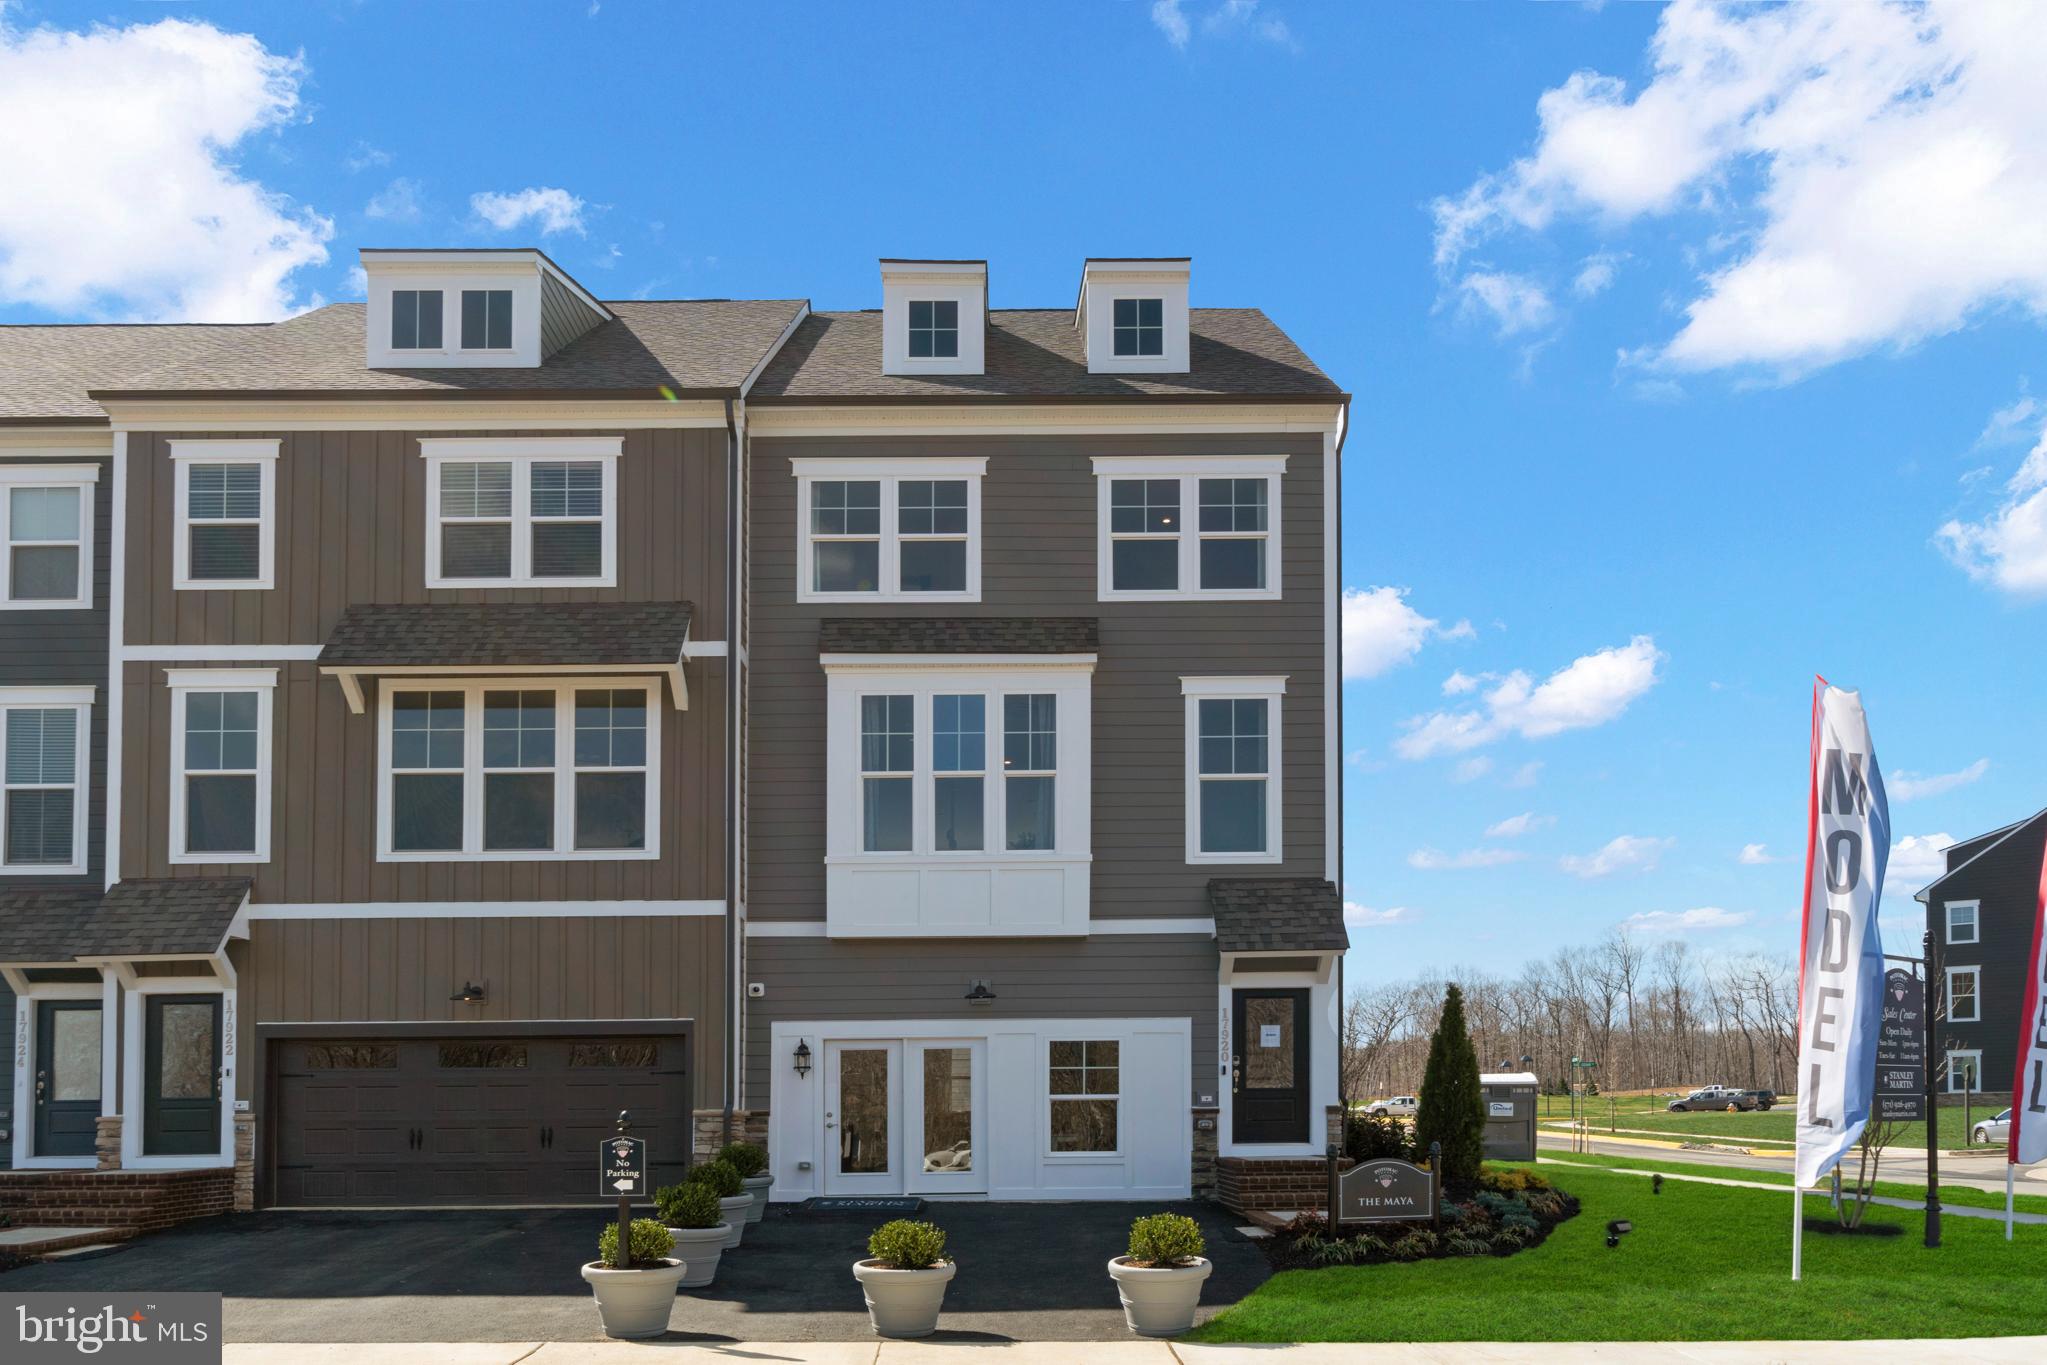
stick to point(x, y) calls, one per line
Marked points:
point(1452, 1109)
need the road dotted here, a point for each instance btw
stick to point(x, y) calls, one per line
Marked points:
point(1984, 1172)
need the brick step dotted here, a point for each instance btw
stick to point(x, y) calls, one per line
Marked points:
point(86, 1253)
point(70, 1215)
point(40, 1241)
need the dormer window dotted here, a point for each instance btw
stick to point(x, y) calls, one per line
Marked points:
point(486, 320)
point(1140, 327)
point(481, 309)
point(934, 329)
point(1133, 316)
point(415, 319)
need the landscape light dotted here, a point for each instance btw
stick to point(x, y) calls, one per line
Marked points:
point(1616, 1229)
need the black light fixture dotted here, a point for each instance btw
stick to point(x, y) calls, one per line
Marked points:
point(1616, 1229)
point(802, 1058)
point(1656, 1184)
point(470, 994)
point(978, 993)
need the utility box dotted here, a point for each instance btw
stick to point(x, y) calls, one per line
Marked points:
point(1510, 1115)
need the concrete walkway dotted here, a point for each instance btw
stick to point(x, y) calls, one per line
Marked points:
point(1946, 1210)
point(1985, 1350)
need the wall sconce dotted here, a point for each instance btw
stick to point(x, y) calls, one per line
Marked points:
point(978, 993)
point(470, 994)
point(802, 1058)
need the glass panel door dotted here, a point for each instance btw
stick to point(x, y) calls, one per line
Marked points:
point(863, 1118)
point(946, 1099)
point(67, 1077)
point(181, 1076)
point(1269, 1089)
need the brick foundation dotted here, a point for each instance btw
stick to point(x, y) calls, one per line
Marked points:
point(748, 1125)
point(141, 1200)
point(106, 1141)
point(1203, 1175)
point(1297, 1183)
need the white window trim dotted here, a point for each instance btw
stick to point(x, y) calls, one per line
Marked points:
point(1975, 975)
point(390, 319)
point(1189, 470)
point(1273, 691)
point(564, 686)
point(1046, 1150)
point(888, 473)
point(134, 1036)
point(1953, 1072)
point(522, 453)
point(1975, 909)
point(261, 453)
point(511, 323)
point(79, 701)
point(81, 477)
point(185, 681)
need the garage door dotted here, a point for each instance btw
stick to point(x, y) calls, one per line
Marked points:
point(368, 1121)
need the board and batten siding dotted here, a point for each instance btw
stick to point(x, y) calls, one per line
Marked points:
point(351, 528)
point(1038, 528)
point(323, 811)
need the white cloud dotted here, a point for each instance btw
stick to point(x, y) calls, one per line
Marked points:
point(2011, 423)
point(1868, 175)
point(127, 199)
point(1229, 19)
point(1472, 769)
point(1589, 691)
point(1904, 786)
point(1756, 855)
point(551, 210)
point(1435, 860)
point(1458, 683)
point(397, 202)
point(1526, 775)
point(1166, 16)
point(1515, 303)
point(1514, 826)
point(1595, 275)
point(1381, 631)
point(358, 285)
point(1357, 916)
point(1915, 860)
point(362, 156)
point(1680, 921)
point(2008, 547)
point(1628, 853)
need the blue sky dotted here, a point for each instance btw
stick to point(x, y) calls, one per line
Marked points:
point(1677, 338)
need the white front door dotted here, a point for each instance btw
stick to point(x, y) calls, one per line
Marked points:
point(945, 1098)
point(863, 1109)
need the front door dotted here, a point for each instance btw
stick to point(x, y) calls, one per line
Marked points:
point(945, 1095)
point(67, 1080)
point(181, 1076)
point(1269, 1090)
point(863, 1137)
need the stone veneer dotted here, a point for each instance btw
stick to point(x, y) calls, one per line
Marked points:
point(748, 1125)
point(106, 1141)
point(245, 1163)
point(1203, 1176)
point(141, 1200)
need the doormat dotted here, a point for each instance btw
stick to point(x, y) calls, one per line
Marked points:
point(853, 1204)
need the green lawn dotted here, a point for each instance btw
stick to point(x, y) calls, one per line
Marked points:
point(1704, 1263)
point(1964, 1195)
point(1779, 1125)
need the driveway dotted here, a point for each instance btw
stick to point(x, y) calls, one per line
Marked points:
point(1027, 1272)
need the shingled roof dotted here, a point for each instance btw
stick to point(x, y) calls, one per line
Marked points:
point(152, 917)
point(1039, 353)
point(958, 635)
point(42, 925)
point(509, 633)
point(46, 371)
point(1277, 914)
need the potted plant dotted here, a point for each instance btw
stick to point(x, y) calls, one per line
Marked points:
point(1160, 1278)
point(752, 1164)
point(904, 1278)
point(698, 1226)
point(635, 1292)
point(733, 1200)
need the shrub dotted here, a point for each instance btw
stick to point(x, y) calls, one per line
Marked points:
point(721, 1176)
point(1463, 1244)
point(746, 1158)
point(651, 1244)
point(1417, 1245)
point(1511, 1181)
point(907, 1245)
point(1366, 1138)
point(1452, 1110)
point(692, 1204)
point(1165, 1239)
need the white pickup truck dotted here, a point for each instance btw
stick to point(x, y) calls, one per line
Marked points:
point(1399, 1107)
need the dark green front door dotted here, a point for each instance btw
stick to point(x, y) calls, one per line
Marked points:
point(181, 1076)
point(67, 1079)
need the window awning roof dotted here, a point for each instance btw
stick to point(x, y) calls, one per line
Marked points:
point(445, 639)
point(138, 918)
point(1277, 915)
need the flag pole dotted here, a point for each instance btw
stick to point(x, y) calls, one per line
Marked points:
point(2009, 1171)
point(1797, 1230)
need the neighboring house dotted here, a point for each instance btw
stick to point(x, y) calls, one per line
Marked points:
point(425, 848)
point(1981, 913)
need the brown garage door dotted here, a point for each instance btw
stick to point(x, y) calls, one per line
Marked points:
point(367, 1121)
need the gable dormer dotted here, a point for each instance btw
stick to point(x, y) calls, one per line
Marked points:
point(934, 316)
point(1132, 314)
point(463, 309)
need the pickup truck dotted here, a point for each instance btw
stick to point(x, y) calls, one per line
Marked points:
point(1399, 1107)
point(1717, 1097)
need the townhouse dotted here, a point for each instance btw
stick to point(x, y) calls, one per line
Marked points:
point(438, 723)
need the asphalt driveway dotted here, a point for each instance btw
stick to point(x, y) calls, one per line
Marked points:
point(1027, 1272)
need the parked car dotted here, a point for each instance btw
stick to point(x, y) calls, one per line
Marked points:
point(1712, 1097)
point(1763, 1098)
point(1399, 1107)
point(1993, 1130)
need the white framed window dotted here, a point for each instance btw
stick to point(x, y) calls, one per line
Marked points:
point(934, 329)
point(416, 319)
point(1174, 528)
point(226, 532)
point(1965, 1071)
point(888, 530)
point(1964, 995)
point(528, 512)
point(1084, 1091)
point(46, 736)
point(518, 769)
point(486, 319)
point(220, 764)
point(46, 536)
point(1961, 921)
point(1139, 327)
point(1233, 769)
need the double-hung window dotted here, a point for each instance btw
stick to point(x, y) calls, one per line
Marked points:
point(486, 319)
point(519, 769)
point(1961, 921)
point(1964, 995)
point(1189, 528)
point(220, 764)
point(888, 530)
point(934, 329)
point(415, 319)
point(46, 535)
point(521, 513)
point(1140, 327)
point(44, 732)
point(1084, 1080)
point(1964, 1070)
point(938, 741)
point(1233, 770)
point(226, 532)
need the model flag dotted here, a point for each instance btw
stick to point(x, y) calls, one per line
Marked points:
point(2028, 1141)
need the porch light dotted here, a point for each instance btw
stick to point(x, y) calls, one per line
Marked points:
point(978, 993)
point(802, 1058)
point(470, 994)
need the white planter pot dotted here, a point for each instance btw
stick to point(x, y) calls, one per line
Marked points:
point(734, 1212)
point(757, 1186)
point(699, 1249)
point(903, 1303)
point(1159, 1301)
point(634, 1303)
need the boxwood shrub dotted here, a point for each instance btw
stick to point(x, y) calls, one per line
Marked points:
point(651, 1243)
point(907, 1245)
